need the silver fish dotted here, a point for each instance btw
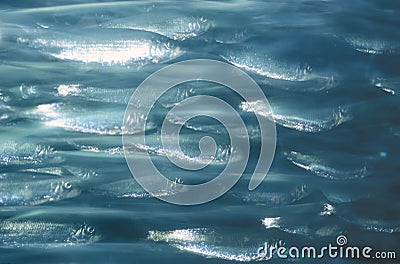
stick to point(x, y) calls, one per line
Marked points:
point(336, 169)
point(108, 95)
point(129, 188)
point(95, 121)
point(366, 44)
point(294, 113)
point(39, 233)
point(62, 171)
point(15, 153)
point(278, 72)
point(106, 47)
point(281, 197)
point(118, 95)
point(208, 243)
point(38, 191)
point(176, 27)
point(317, 226)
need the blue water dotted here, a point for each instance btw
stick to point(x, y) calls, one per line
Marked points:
point(329, 69)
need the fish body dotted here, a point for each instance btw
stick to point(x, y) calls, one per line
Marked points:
point(369, 45)
point(129, 188)
point(278, 72)
point(36, 191)
point(282, 197)
point(318, 225)
point(41, 233)
point(14, 153)
point(296, 114)
point(178, 27)
point(208, 243)
point(342, 169)
point(85, 120)
point(106, 47)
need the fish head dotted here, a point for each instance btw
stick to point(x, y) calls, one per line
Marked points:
point(84, 234)
point(165, 50)
point(190, 27)
point(65, 189)
point(303, 71)
point(200, 25)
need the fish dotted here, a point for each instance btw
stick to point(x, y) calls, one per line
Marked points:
point(296, 113)
point(210, 244)
point(63, 171)
point(341, 167)
point(16, 233)
point(278, 72)
point(189, 153)
point(38, 191)
point(318, 225)
point(121, 95)
point(176, 27)
point(89, 93)
point(129, 188)
point(85, 120)
point(27, 175)
point(16, 153)
point(366, 44)
point(122, 15)
point(277, 198)
point(106, 47)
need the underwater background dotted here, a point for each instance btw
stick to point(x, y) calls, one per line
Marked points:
point(329, 69)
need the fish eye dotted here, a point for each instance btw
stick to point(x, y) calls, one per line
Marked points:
point(90, 229)
point(67, 185)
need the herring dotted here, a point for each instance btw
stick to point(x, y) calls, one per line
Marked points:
point(287, 75)
point(208, 243)
point(294, 113)
point(176, 27)
point(341, 168)
point(107, 47)
point(13, 153)
point(37, 191)
point(84, 120)
point(40, 233)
